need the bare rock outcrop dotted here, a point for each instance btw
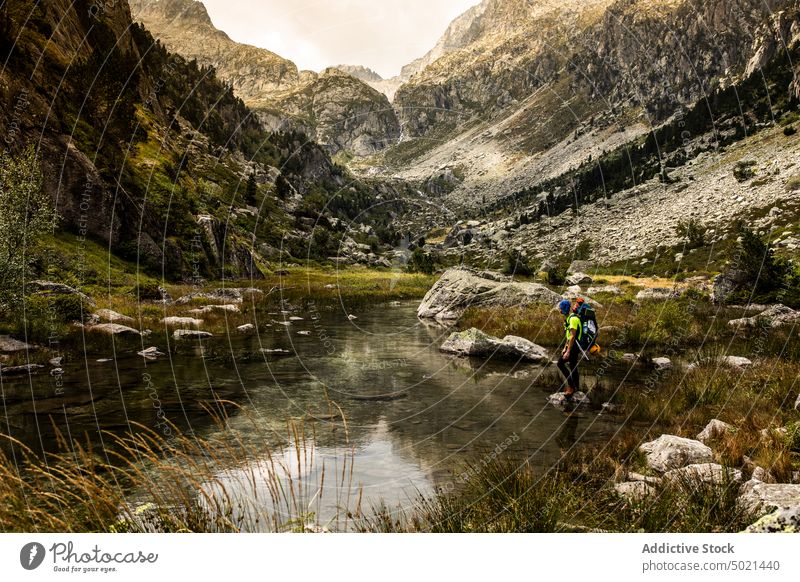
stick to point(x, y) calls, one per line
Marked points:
point(474, 342)
point(459, 289)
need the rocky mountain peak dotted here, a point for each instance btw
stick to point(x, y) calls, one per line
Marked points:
point(184, 11)
point(185, 27)
point(361, 72)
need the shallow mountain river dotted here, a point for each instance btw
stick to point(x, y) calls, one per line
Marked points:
point(414, 416)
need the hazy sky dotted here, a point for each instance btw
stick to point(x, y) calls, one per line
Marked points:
point(381, 34)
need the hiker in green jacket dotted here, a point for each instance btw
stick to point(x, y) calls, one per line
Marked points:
point(571, 356)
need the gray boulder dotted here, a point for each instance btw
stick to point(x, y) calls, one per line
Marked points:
point(113, 317)
point(634, 491)
point(115, 329)
point(580, 267)
point(182, 322)
point(726, 284)
point(226, 294)
point(19, 370)
point(784, 520)
point(662, 363)
point(710, 473)
point(714, 430)
point(758, 496)
point(607, 289)
point(670, 452)
point(657, 294)
point(190, 334)
point(11, 345)
point(246, 328)
point(735, 362)
point(475, 343)
point(579, 279)
point(654, 481)
point(59, 289)
point(150, 353)
point(230, 308)
point(775, 316)
point(460, 288)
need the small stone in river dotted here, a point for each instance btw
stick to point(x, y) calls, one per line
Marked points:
point(182, 322)
point(662, 363)
point(190, 334)
point(8, 344)
point(150, 353)
point(303, 333)
point(560, 399)
point(56, 362)
point(246, 328)
point(115, 329)
point(352, 317)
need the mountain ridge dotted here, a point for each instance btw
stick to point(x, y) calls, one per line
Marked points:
point(285, 99)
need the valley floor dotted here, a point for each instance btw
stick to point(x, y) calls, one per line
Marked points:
point(610, 486)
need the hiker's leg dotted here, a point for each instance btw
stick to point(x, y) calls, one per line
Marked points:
point(564, 369)
point(574, 362)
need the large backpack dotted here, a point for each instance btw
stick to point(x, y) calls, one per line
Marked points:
point(589, 328)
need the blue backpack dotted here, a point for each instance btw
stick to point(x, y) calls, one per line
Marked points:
point(589, 328)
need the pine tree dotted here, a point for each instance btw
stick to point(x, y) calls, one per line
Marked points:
point(251, 191)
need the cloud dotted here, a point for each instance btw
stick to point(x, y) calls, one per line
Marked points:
point(381, 34)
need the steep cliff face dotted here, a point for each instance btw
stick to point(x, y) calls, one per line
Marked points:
point(540, 86)
point(493, 57)
point(139, 146)
point(336, 110)
point(185, 27)
point(665, 54)
point(340, 110)
point(653, 54)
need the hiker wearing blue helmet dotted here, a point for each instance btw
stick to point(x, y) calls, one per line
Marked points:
point(571, 356)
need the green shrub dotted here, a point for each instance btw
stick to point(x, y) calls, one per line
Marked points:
point(557, 274)
point(760, 274)
point(421, 262)
point(744, 171)
point(793, 437)
point(146, 291)
point(692, 232)
point(583, 250)
point(517, 265)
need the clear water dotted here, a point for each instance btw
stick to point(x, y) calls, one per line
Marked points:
point(414, 415)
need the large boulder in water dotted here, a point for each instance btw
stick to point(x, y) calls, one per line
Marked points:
point(460, 288)
point(474, 342)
